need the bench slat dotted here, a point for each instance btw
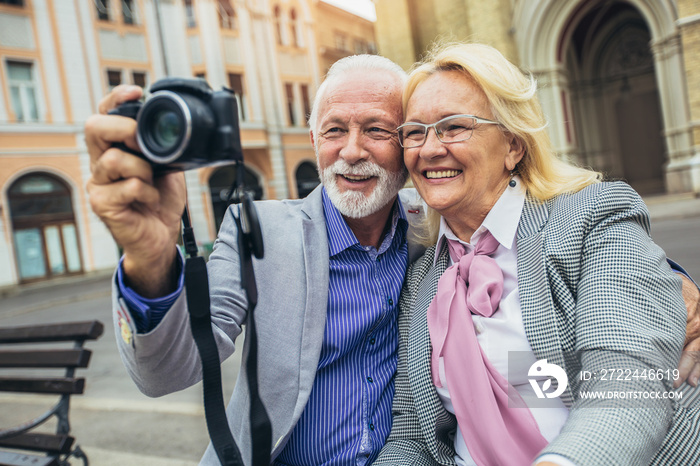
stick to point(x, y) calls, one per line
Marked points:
point(89, 330)
point(50, 385)
point(20, 459)
point(78, 357)
point(50, 443)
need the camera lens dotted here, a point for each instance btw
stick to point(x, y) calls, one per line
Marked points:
point(167, 129)
point(164, 127)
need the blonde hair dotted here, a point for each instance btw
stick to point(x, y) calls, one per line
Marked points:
point(512, 96)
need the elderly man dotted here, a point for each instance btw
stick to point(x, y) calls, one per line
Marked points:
point(328, 286)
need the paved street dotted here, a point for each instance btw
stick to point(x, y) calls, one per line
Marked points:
point(117, 425)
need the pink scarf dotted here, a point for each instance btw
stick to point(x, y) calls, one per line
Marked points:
point(495, 433)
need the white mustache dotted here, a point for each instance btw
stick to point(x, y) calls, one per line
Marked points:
point(363, 168)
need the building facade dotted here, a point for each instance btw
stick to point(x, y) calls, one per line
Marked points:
point(619, 79)
point(58, 58)
point(340, 33)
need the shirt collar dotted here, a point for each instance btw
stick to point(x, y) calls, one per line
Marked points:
point(502, 220)
point(341, 237)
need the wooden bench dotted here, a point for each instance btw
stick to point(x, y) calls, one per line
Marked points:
point(18, 444)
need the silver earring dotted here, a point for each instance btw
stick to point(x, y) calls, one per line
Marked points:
point(512, 182)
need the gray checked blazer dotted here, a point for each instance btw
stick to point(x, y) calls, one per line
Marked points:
point(591, 282)
point(292, 281)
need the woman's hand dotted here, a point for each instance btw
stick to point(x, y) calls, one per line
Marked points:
point(689, 365)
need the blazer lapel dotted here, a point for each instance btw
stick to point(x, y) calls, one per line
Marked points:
point(536, 301)
point(316, 264)
point(430, 409)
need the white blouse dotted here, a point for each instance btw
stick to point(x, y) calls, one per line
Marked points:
point(503, 333)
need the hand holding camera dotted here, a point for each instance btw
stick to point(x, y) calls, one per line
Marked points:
point(135, 187)
point(141, 211)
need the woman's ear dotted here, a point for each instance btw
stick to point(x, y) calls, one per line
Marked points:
point(516, 151)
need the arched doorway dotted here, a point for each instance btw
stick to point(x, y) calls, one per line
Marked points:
point(307, 179)
point(44, 231)
point(602, 66)
point(614, 96)
point(220, 185)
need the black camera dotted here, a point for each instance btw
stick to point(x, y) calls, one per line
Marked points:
point(186, 125)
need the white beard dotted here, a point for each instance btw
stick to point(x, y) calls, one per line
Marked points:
point(354, 204)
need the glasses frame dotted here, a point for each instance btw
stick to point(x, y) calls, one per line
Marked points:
point(478, 120)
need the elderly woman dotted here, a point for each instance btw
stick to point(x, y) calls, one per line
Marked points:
point(540, 271)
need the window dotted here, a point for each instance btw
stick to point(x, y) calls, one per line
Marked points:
point(289, 91)
point(227, 15)
point(235, 82)
point(129, 12)
point(293, 27)
point(45, 235)
point(22, 90)
point(341, 42)
point(12, 2)
point(360, 47)
point(114, 78)
point(139, 78)
point(189, 14)
point(102, 7)
point(278, 25)
point(305, 101)
point(201, 76)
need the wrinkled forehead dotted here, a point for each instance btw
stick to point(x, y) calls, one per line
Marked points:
point(369, 90)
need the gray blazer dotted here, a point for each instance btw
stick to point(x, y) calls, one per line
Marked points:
point(292, 281)
point(591, 282)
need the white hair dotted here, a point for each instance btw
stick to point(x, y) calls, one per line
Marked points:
point(354, 63)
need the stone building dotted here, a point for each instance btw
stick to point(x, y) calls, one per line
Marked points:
point(59, 57)
point(340, 34)
point(619, 79)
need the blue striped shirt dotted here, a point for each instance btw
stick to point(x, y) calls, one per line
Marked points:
point(348, 416)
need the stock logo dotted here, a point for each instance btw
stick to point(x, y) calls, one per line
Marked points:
point(543, 369)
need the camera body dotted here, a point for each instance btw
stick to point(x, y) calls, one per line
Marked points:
point(186, 125)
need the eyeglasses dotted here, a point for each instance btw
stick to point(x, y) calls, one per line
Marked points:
point(455, 128)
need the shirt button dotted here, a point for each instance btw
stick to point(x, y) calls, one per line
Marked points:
point(371, 427)
point(390, 301)
point(372, 341)
point(369, 379)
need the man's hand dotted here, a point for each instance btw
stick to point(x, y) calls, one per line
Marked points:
point(689, 365)
point(142, 212)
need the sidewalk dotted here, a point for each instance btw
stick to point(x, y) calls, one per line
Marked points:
point(673, 206)
point(58, 291)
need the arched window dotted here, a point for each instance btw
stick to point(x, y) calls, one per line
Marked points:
point(43, 223)
point(293, 27)
point(278, 24)
point(307, 179)
point(220, 186)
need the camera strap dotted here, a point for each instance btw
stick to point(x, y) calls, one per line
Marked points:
point(198, 304)
point(260, 426)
